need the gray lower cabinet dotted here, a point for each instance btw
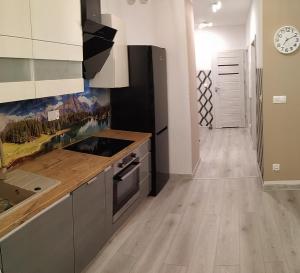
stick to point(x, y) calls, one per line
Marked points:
point(1, 268)
point(109, 202)
point(89, 212)
point(145, 186)
point(145, 173)
point(44, 244)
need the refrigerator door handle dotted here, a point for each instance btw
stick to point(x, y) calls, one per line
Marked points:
point(162, 130)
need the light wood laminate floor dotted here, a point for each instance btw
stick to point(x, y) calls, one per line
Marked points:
point(219, 222)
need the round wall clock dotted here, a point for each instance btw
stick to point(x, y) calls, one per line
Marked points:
point(287, 39)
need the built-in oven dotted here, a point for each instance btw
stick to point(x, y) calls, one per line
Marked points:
point(126, 188)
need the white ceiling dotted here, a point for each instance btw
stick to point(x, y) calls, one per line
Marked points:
point(233, 12)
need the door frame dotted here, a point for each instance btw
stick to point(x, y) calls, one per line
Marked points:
point(214, 77)
point(252, 56)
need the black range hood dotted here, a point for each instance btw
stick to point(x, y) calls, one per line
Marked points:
point(97, 38)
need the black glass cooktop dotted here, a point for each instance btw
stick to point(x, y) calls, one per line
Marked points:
point(101, 146)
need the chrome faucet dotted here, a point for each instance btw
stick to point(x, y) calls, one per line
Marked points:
point(3, 169)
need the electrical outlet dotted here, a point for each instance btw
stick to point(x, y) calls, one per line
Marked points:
point(53, 115)
point(276, 167)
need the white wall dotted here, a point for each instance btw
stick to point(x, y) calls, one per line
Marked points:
point(254, 29)
point(253, 32)
point(171, 34)
point(139, 18)
point(209, 41)
point(163, 23)
point(195, 133)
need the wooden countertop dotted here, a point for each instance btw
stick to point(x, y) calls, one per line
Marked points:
point(72, 169)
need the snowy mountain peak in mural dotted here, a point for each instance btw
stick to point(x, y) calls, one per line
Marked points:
point(26, 131)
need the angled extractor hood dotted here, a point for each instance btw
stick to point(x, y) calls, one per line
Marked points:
point(97, 38)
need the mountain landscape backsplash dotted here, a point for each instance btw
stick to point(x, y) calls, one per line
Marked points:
point(26, 132)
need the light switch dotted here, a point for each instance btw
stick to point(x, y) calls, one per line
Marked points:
point(53, 115)
point(279, 99)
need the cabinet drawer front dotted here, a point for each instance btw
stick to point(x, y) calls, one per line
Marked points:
point(14, 91)
point(89, 212)
point(55, 51)
point(12, 47)
point(145, 168)
point(44, 245)
point(58, 87)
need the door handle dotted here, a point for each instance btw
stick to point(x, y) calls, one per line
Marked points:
point(122, 178)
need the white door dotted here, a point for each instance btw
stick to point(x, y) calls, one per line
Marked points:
point(229, 85)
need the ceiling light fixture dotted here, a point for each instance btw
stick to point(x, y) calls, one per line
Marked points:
point(205, 24)
point(216, 6)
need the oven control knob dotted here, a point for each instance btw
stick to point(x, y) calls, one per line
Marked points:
point(121, 165)
point(133, 155)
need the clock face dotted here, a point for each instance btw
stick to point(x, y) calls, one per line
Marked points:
point(287, 39)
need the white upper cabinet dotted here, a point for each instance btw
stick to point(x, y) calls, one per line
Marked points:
point(56, 21)
point(114, 73)
point(40, 49)
point(15, 18)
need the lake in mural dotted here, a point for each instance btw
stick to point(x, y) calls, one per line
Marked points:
point(26, 132)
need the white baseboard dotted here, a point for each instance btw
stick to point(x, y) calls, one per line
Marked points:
point(283, 185)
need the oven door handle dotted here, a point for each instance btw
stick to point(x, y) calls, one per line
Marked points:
point(129, 173)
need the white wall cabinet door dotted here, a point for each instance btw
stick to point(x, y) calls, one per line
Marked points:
point(56, 21)
point(13, 47)
point(15, 91)
point(56, 51)
point(15, 18)
point(37, 40)
point(120, 55)
point(52, 88)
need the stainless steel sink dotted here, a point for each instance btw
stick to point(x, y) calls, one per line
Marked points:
point(11, 195)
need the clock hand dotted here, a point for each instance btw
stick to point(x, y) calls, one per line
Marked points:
point(292, 37)
point(286, 39)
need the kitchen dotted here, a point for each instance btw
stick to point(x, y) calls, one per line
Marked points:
point(84, 132)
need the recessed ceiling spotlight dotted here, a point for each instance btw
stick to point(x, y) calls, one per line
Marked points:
point(216, 6)
point(131, 2)
point(205, 24)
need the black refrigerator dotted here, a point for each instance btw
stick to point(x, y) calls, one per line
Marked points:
point(143, 106)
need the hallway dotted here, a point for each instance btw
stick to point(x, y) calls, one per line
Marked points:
point(219, 222)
